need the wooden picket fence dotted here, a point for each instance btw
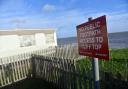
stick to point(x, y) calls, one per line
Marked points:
point(63, 73)
point(14, 71)
point(18, 67)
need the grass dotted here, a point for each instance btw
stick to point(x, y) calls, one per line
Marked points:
point(118, 63)
point(119, 55)
point(113, 72)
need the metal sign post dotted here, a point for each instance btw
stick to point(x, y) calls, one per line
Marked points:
point(95, 66)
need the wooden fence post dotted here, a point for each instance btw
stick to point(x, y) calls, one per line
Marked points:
point(33, 67)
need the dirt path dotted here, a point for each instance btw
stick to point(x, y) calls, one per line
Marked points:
point(31, 84)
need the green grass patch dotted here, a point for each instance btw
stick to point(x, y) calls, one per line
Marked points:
point(118, 63)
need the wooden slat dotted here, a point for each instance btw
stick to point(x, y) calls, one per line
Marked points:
point(1, 74)
point(15, 68)
point(80, 77)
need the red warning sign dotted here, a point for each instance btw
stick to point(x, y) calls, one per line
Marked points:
point(93, 39)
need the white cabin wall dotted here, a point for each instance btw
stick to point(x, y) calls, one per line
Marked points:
point(40, 39)
point(13, 41)
point(52, 39)
point(8, 42)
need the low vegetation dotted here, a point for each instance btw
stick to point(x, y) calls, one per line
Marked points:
point(118, 63)
point(113, 72)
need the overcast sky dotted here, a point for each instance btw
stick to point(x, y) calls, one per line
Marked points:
point(63, 15)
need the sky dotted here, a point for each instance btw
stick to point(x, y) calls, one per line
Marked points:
point(62, 15)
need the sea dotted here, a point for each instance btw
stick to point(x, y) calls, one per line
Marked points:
point(116, 40)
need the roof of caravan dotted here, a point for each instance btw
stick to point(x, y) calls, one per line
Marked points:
point(25, 31)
